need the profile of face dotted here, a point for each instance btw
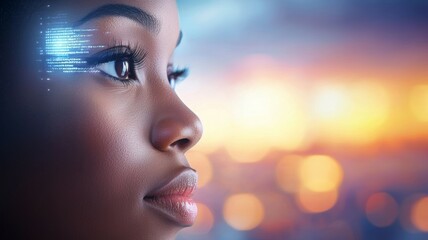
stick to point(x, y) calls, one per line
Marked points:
point(109, 162)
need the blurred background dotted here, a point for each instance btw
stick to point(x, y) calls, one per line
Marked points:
point(315, 118)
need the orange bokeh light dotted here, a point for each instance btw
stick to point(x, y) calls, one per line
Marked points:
point(355, 113)
point(316, 202)
point(319, 173)
point(419, 214)
point(267, 112)
point(381, 209)
point(419, 102)
point(243, 211)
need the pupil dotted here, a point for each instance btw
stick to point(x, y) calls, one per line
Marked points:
point(122, 69)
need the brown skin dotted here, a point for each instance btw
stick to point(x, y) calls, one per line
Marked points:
point(107, 144)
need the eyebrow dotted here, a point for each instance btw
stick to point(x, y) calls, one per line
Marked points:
point(180, 37)
point(135, 14)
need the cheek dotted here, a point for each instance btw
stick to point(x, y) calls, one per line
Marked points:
point(113, 138)
point(106, 151)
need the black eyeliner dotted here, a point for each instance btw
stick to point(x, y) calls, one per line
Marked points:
point(135, 55)
point(177, 74)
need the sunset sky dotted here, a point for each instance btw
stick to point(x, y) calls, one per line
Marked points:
point(285, 88)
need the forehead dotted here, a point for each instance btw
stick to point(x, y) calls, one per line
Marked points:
point(128, 21)
point(164, 11)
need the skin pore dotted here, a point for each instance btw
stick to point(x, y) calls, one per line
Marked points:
point(106, 142)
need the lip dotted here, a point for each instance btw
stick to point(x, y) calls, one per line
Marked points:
point(174, 199)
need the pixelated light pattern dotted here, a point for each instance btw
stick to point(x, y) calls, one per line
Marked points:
point(64, 48)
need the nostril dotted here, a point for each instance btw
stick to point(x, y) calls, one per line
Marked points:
point(178, 131)
point(181, 143)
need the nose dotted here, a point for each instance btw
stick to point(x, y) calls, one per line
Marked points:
point(176, 128)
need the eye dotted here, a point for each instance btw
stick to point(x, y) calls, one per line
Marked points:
point(176, 75)
point(122, 69)
point(118, 62)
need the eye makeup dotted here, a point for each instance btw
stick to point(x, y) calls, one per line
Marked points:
point(119, 62)
point(122, 62)
point(136, 54)
point(63, 48)
point(176, 75)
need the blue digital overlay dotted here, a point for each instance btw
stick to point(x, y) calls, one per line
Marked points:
point(63, 48)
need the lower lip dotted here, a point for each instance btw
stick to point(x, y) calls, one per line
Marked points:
point(180, 209)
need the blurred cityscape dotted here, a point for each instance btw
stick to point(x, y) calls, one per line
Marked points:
point(315, 118)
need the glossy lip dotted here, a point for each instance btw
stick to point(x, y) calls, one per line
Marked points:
point(174, 198)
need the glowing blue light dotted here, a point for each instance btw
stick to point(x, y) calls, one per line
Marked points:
point(65, 48)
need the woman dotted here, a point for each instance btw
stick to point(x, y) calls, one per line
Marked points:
point(93, 134)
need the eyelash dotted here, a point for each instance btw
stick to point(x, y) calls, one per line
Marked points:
point(135, 56)
point(176, 74)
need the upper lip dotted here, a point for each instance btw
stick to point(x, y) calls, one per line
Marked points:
point(183, 185)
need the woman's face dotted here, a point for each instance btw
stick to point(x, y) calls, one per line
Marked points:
point(111, 160)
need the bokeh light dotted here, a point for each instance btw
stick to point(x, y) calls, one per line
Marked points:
point(214, 115)
point(202, 165)
point(320, 173)
point(419, 102)
point(381, 209)
point(406, 208)
point(316, 202)
point(355, 112)
point(419, 214)
point(318, 110)
point(243, 211)
point(287, 173)
point(330, 102)
point(267, 112)
point(204, 221)
point(370, 109)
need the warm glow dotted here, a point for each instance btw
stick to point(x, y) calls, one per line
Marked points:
point(243, 211)
point(202, 165)
point(242, 150)
point(287, 173)
point(419, 214)
point(316, 202)
point(330, 102)
point(204, 221)
point(267, 114)
point(216, 121)
point(419, 102)
point(370, 109)
point(320, 173)
point(353, 113)
point(381, 209)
